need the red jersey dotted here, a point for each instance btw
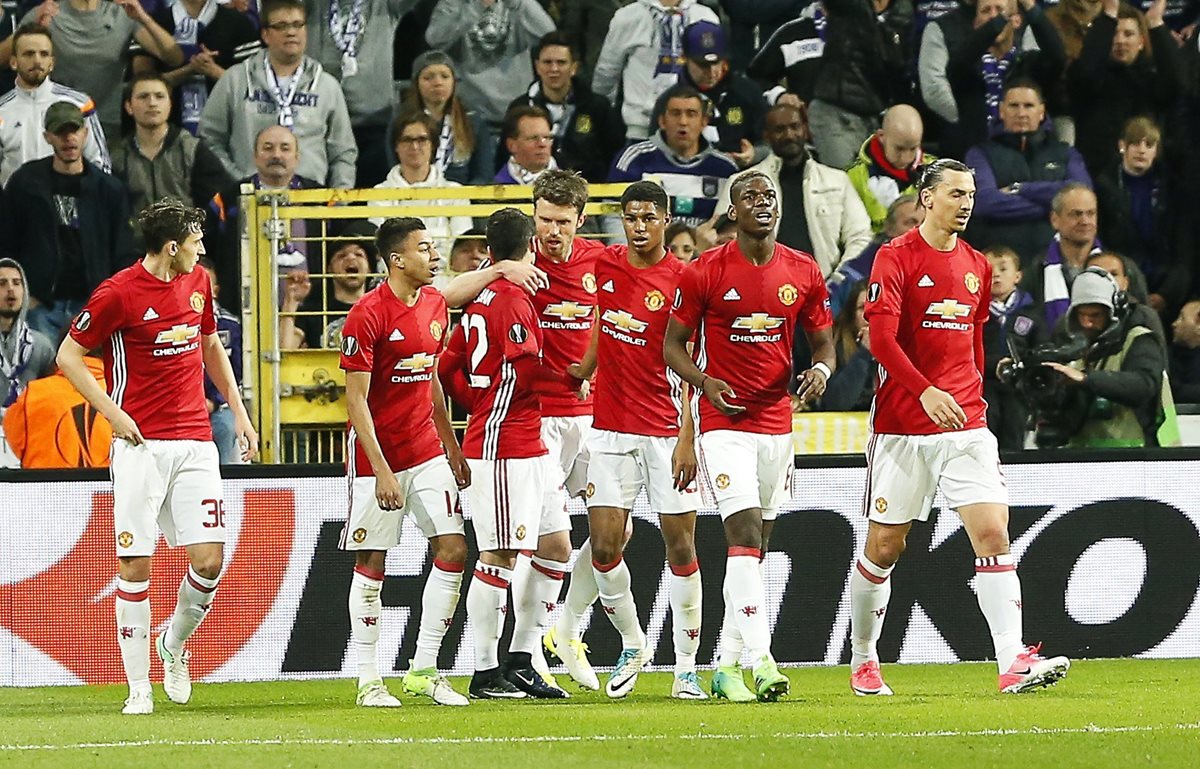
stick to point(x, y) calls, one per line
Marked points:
point(398, 346)
point(565, 313)
point(635, 391)
point(153, 364)
point(938, 302)
point(498, 329)
point(746, 317)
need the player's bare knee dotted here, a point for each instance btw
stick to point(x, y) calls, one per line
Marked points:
point(681, 552)
point(886, 549)
point(134, 569)
point(451, 548)
point(375, 560)
point(208, 566)
point(554, 547)
point(606, 549)
point(991, 541)
point(505, 559)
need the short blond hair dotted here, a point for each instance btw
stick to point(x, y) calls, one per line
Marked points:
point(1141, 129)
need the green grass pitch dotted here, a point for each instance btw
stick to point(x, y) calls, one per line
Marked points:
point(1113, 713)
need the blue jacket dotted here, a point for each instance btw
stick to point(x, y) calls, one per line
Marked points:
point(694, 184)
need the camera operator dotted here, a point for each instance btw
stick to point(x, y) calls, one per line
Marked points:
point(1118, 379)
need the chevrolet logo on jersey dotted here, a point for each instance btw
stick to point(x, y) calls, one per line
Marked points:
point(759, 324)
point(949, 311)
point(181, 337)
point(624, 321)
point(568, 310)
point(415, 368)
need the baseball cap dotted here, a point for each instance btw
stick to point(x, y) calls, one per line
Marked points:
point(62, 115)
point(1093, 286)
point(704, 41)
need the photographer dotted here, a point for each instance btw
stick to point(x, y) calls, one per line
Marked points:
point(1117, 382)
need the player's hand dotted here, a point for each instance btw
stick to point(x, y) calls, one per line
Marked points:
point(247, 438)
point(683, 464)
point(715, 390)
point(576, 370)
point(1073, 374)
point(941, 407)
point(46, 12)
point(524, 275)
point(126, 429)
point(388, 493)
point(810, 385)
point(460, 468)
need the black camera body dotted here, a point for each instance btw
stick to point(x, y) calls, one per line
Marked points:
point(1058, 410)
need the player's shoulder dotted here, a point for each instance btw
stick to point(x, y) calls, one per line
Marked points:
point(126, 280)
point(429, 296)
point(904, 248)
point(796, 259)
point(587, 247)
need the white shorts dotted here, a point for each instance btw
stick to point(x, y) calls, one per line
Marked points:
point(747, 470)
point(430, 497)
point(620, 464)
point(503, 502)
point(567, 467)
point(175, 485)
point(905, 471)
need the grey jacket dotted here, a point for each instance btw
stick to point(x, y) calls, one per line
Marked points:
point(370, 92)
point(490, 48)
point(242, 104)
point(25, 354)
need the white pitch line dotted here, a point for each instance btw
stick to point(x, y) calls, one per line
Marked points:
point(555, 738)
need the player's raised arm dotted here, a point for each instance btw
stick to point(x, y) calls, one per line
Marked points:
point(70, 360)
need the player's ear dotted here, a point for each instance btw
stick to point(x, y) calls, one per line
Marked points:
point(173, 247)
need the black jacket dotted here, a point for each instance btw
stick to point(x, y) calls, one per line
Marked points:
point(593, 135)
point(806, 49)
point(738, 110)
point(965, 73)
point(29, 222)
point(1104, 94)
point(865, 65)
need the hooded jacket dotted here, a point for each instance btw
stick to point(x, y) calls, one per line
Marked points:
point(243, 103)
point(625, 71)
point(25, 354)
point(443, 228)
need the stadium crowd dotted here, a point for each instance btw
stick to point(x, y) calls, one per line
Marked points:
point(1079, 120)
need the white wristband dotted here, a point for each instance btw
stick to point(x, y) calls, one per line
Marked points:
point(820, 366)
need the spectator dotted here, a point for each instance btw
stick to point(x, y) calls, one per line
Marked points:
point(736, 120)
point(67, 223)
point(25, 354)
point(585, 24)
point(1013, 315)
point(1144, 215)
point(792, 54)
point(92, 39)
point(889, 163)
point(992, 57)
point(416, 138)
point(220, 416)
point(23, 109)
point(324, 313)
point(681, 241)
point(643, 56)
point(282, 86)
point(1130, 280)
point(1185, 354)
point(1017, 175)
point(212, 37)
point(276, 158)
point(852, 386)
point(944, 33)
point(1073, 219)
point(162, 160)
point(864, 70)
point(50, 425)
point(680, 158)
point(352, 39)
point(467, 255)
point(489, 41)
point(1071, 18)
point(1129, 66)
point(752, 20)
point(588, 132)
point(819, 211)
point(465, 154)
point(902, 215)
point(529, 139)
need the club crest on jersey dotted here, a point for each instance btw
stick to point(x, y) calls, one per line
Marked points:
point(972, 281)
point(83, 321)
point(359, 535)
point(125, 539)
point(722, 481)
point(873, 292)
point(589, 282)
point(197, 301)
point(881, 505)
point(518, 333)
point(435, 329)
point(655, 300)
point(759, 324)
point(591, 490)
point(788, 294)
point(734, 116)
point(521, 532)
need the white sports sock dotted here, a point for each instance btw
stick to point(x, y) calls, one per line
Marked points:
point(999, 592)
point(536, 603)
point(744, 582)
point(365, 612)
point(437, 611)
point(581, 594)
point(870, 591)
point(133, 632)
point(196, 595)
point(616, 597)
point(487, 603)
point(731, 638)
point(686, 604)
